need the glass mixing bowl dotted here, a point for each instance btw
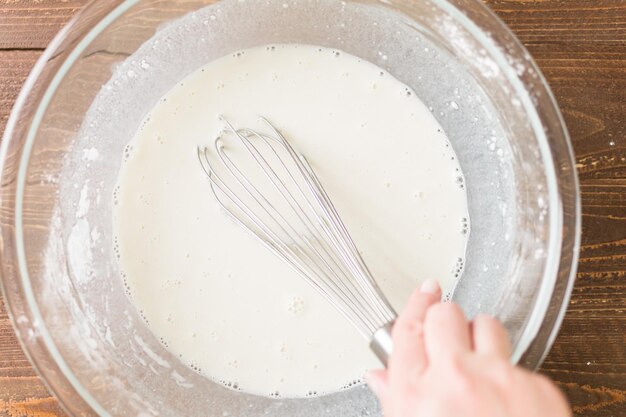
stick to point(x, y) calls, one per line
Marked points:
point(99, 77)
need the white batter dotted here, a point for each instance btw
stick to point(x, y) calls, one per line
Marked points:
point(219, 299)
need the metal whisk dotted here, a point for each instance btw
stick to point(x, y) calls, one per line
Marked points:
point(271, 190)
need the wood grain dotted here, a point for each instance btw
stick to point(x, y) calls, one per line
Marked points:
point(580, 46)
point(31, 24)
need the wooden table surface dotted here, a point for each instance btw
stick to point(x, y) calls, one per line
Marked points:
point(581, 47)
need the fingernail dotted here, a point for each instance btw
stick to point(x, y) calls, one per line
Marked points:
point(374, 384)
point(430, 286)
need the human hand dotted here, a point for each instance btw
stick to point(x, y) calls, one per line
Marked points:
point(444, 366)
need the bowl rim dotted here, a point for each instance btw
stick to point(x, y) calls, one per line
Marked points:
point(550, 156)
point(73, 396)
point(68, 381)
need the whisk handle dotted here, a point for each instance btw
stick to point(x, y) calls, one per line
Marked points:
point(382, 344)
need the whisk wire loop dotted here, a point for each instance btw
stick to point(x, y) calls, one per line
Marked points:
point(272, 191)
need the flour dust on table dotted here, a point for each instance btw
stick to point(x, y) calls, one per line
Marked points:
point(210, 291)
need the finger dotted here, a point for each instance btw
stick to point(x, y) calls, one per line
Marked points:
point(378, 382)
point(551, 396)
point(446, 332)
point(408, 358)
point(428, 294)
point(490, 337)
